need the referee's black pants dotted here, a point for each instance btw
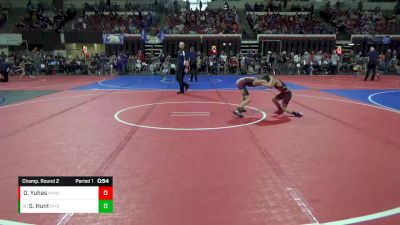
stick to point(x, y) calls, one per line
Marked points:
point(180, 74)
point(369, 68)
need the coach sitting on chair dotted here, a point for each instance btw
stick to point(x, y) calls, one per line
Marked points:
point(183, 66)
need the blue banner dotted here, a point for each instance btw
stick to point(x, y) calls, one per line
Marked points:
point(113, 39)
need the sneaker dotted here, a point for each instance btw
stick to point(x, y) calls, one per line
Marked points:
point(180, 92)
point(278, 112)
point(237, 113)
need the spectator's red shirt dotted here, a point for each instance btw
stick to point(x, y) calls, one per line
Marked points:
point(141, 57)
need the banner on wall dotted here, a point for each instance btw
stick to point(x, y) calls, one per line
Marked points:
point(10, 39)
point(385, 40)
point(62, 53)
point(113, 39)
point(152, 39)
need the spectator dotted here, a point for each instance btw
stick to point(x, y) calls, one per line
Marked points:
point(280, 24)
point(114, 23)
point(193, 64)
point(209, 21)
point(161, 57)
point(203, 63)
point(233, 64)
point(318, 59)
point(306, 62)
point(388, 57)
point(223, 59)
point(358, 22)
point(297, 61)
point(166, 67)
point(393, 62)
point(38, 18)
point(334, 62)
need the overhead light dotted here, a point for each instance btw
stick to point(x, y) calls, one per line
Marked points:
point(351, 44)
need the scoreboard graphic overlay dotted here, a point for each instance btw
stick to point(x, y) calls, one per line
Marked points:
point(65, 194)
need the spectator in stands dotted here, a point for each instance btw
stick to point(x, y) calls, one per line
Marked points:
point(38, 18)
point(94, 66)
point(297, 62)
point(141, 56)
point(280, 61)
point(397, 8)
point(203, 63)
point(393, 62)
point(388, 57)
point(223, 60)
point(233, 64)
point(161, 57)
point(207, 21)
point(318, 60)
point(113, 22)
point(334, 62)
point(381, 61)
point(193, 64)
point(349, 22)
point(37, 60)
point(165, 68)
point(276, 23)
point(306, 62)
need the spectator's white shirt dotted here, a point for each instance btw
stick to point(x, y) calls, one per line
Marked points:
point(165, 66)
point(318, 58)
point(334, 59)
point(223, 57)
point(243, 61)
point(296, 59)
point(306, 59)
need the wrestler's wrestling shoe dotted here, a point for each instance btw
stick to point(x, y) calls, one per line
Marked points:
point(241, 110)
point(187, 88)
point(237, 113)
point(298, 114)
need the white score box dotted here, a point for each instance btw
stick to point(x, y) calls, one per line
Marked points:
point(65, 194)
point(59, 206)
point(59, 193)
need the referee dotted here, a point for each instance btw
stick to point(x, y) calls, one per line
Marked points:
point(183, 64)
point(372, 62)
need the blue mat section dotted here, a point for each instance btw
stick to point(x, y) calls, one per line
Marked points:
point(154, 82)
point(384, 98)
